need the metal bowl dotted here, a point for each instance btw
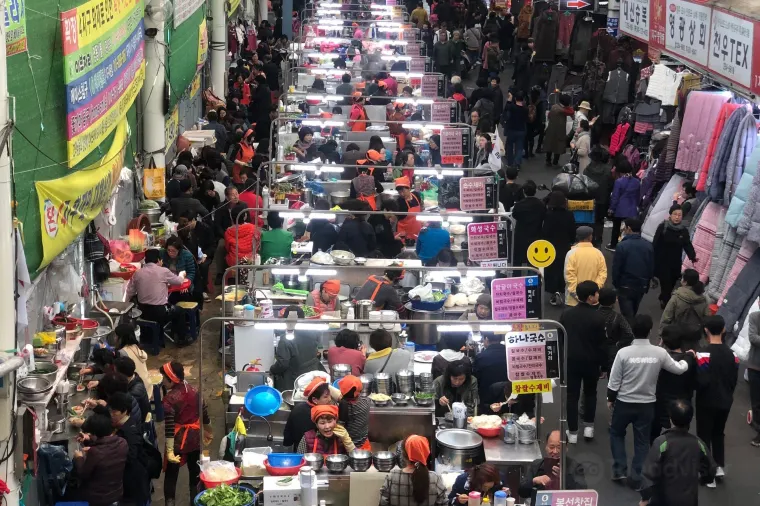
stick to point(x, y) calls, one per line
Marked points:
point(381, 404)
point(424, 402)
point(44, 369)
point(34, 388)
point(384, 461)
point(336, 463)
point(314, 460)
point(73, 372)
point(342, 257)
point(400, 399)
point(361, 460)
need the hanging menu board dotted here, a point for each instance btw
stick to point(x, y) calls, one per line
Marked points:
point(440, 112)
point(532, 355)
point(477, 193)
point(417, 64)
point(567, 498)
point(487, 241)
point(516, 298)
point(451, 146)
point(429, 85)
point(687, 31)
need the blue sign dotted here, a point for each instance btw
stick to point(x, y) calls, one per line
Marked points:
point(612, 26)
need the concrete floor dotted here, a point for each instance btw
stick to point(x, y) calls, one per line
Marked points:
point(739, 487)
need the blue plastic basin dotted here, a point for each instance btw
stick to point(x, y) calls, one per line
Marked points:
point(263, 400)
point(284, 459)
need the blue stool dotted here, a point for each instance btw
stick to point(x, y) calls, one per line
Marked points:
point(158, 407)
point(152, 334)
point(192, 313)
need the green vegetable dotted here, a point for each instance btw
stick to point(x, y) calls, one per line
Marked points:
point(225, 495)
point(285, 481)
point(438, 296)
point(423, 395)
point(308, 311)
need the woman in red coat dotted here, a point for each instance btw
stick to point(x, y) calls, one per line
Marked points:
point(244, 235)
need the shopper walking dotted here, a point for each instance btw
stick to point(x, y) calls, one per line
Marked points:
point(583, 263)
point(671, 241)
point(558, 229)
point(631, 395)
point(515, 123)
point(529, 214)
point(688, 307)
point(632, 268)
point(616, 327)
point(586, 357)
point(717, 374)
point(556, 130)
point(624, 202)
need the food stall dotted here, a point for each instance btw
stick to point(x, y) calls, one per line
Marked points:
point(301, 78)
point(371, 12)
point(369, 29)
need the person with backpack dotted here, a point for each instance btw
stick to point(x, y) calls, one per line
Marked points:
point(688, 306)
point(536, 120)
point(473, 37)
point(491, 57)
point(556, 136)
point(459, 96)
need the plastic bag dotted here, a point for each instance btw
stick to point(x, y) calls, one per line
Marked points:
point(219, 470)
point(424, 292)
point(471, 285)
point(575, 187)
point(253, 461)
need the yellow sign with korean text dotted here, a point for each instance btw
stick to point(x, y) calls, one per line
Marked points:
point(70, 203)
point(202, 43)
point(531, 386)
point(232, 6)
point(171, 127)
point(195, 85)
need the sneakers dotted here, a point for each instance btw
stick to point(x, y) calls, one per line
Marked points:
point(553, 300)
point(206, 297)
point(713, 484)
point(720, 473)
point(620, 479)
point(756, 442)
point(560, 298)
point(572, 437)
point(610, 247)
point(588, 433)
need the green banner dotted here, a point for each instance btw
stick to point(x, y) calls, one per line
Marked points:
point(15, 27)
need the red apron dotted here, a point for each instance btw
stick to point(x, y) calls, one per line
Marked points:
point(244, 155)
point(330, 306)
point(358, 123)
point(410, 227)
point(369, 199)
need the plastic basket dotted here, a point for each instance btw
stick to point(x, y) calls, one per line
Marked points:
point(211, 484)
point(420, 305)
point(197, 500)
point(584, 217)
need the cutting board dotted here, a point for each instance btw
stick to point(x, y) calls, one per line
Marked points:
point(365, 488)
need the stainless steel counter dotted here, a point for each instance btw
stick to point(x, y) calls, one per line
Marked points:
point(388, 425)
point(501, 454)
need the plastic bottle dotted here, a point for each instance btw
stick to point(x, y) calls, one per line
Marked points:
point(510, 432)
point(409, 346)
point(473, 499)
point(486, 501)
point(500, 498)
point(350, 316)
point(265, 197)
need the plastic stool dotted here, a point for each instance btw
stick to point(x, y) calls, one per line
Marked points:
point(152, 329)
point(192, 315)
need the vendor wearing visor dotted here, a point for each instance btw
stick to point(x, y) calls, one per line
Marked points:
point(408, 201)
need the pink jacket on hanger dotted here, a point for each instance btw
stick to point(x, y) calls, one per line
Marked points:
point(702, 173)
point(618, 138)
point(704, 239)
point(702, 110)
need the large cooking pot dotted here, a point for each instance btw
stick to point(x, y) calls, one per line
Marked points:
point(339, 197)
point(362, 309)
point(423, 333)
point(459, 449)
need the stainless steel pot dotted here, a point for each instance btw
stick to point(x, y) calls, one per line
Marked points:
point(459, 448)
point(339, 197)
point(44, 369)
point(362, 309)
point(424, 333)
point(340, 371)
point(307, 196)
point(153, 215)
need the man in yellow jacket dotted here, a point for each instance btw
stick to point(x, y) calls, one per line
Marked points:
point(583, 263)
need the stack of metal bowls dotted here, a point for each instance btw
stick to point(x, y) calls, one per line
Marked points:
point(426, 382)
point(383, 383)
point(361, 460)
point(340, 371)
point(405, 381)
point(314, 460)
point(366, 380)
point(336, 463)
point(384, 461)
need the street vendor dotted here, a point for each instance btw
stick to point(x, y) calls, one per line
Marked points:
point(325, 298)
point(482, 308)
point(358, 115)
point(182, 429)
point(408, 201)
point(365, 186)
point(328, 438)
point(317, 393)
point(381, 291)
point(353, 411)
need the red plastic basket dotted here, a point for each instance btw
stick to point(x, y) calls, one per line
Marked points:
point(283, 471)
point(211, 484)
point(489, 432)
point(127, 274)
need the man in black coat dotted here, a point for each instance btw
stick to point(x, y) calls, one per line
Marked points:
point(136, 387)
point(632, 268)
point(522, 74)
point(586, 357)
point(489, 367)
point(543, 474)
point(529, 214)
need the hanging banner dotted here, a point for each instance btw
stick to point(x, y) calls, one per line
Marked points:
point(104, 69)
point(69, 204)
point(171, 127)
point(15, 27)
point(687, 33)
point(183, 9)
point(731, 47)
point(195, 86)
point(202, 43)
point(634, 18)
point(232, 6)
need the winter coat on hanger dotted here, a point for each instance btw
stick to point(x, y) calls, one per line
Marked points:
point(523, 22)
point(702, 110)
point(746, 194)
point(616, 89)
point(716, 177)
point(740, 297)
point(745, 253)
point(704, 239)
point(740, 154)
point(724, 256)
point(545, 35)
point(703, 171)
point(580, 43)
point(618, 139)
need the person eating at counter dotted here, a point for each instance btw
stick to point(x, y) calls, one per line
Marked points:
point(408, 227)
point(381, 291)
point(299, 422)
point(349, 350)
point(325, 297)
point(456, 385)
point(451, 346)
point(353, 411)
point(413, 483)
point(328, 438)
point(386, 359)
point(524, 403)
point(483, 478)
point(543, 474)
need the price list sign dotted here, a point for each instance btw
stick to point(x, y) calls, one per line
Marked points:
point(440, 112)
point(451, 145)
point(687, 32)
point(477, 193)
point(487, 241)
point(567, 498)
point(430, 86)
point(413, 49)
point(634, 18)
point(516, 298)
point(731, 43)
point(417, 64)
point(532, 355)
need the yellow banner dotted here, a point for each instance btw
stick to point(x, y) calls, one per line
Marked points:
point(233, 5)
point(532, 386)
point(195, 85)
point(202, 43)
point(87, 23)
point(70, 203)
point(81, 145)
point(171, 127)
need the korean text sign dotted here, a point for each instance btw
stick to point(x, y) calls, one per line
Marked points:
point(15, 27)
point(487, 241)
point(532, 355)
point(104, 68)
point(516, 298)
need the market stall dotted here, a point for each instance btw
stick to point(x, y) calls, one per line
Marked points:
point(302, 79)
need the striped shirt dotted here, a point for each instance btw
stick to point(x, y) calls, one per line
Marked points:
point(397, 490)
point(354, 415)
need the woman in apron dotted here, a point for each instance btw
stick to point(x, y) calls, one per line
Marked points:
point(408, 227)
point(354, 411)
point(182, 429)
point(242, 155)
point(325, 298)
point(357, 121)
point(328, 438)
point(365, 186)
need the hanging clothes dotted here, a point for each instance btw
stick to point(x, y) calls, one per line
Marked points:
point(704, 239)
point(702, 111)
point(539, 8)
point(545, 35)
point(601, 44)
point(566, 24)
point(746, 195)
point(523, 22)
point(580, 42)
point(594, 81)
point(745, 253)
point(615, 95)
point(712, 142)
point(557, 78)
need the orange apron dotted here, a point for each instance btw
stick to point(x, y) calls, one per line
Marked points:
point(366, 445)
point(335, 445)
point(369, 199)
point(410, 227)
point(245, 155)
point(380, 282)
point(358, 124)
point(178, 427)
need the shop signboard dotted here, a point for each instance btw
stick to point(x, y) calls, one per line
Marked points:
point(183, 9)
point(477, 193)
point(417, 64)
point(687, 31)
point(487, 241)
point(15, 27)
point(731, 43)
point(104, 68)
point(516, 299)
point(440, 112)
point(413, 49)
point(429, 86)
point(634, 18)
point(451, 146)
point(613, 25)
point(532, 355)
point(69, 204)
point(567, 498)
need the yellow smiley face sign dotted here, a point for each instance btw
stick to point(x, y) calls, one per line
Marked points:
point(541, 254)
